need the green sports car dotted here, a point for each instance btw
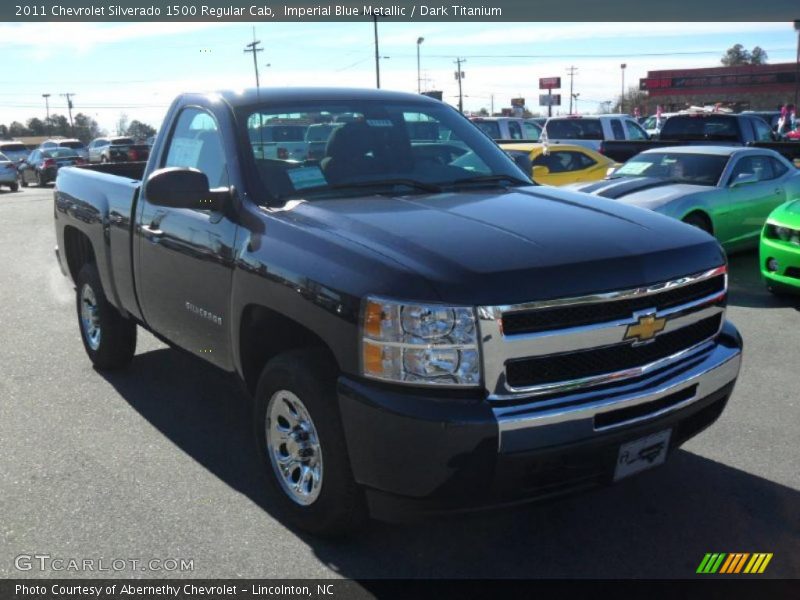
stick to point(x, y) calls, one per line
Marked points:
point(780, 248)
point(726, 190)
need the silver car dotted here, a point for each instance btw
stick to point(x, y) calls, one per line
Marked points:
point(8, 173)
point(75, 144)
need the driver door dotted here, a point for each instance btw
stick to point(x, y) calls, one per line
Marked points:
point(186, 256)
point(747, 206)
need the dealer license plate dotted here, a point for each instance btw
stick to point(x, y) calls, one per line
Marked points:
point(642, 454)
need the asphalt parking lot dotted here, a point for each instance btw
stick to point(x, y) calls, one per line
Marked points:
point(157, 461)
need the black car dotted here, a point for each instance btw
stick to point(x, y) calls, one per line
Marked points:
point(42, 165)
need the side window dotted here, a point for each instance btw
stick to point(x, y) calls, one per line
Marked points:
point(778, 168)
point(760, 166)
point(763, 132)
point(35, 156)
point(196, 143)
point(634, 131)
point(616, 129)
point(563, 161)
point(531, 131)
point(514, 130)
point(581, 161)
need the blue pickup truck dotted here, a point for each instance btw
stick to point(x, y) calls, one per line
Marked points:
point(417, 336)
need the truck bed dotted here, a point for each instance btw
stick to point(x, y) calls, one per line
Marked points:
point(104, 194)
point(128, 170)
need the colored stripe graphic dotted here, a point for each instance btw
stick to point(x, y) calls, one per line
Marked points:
point(758, 563)
point(711, 562)
point(734, 563)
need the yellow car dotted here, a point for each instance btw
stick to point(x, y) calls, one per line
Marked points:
point(564, 163)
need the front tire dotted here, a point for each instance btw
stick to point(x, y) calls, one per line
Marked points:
point(14, 187)
point(108, 338)
point(39, 181)
point(22, 181)
point(302, 445)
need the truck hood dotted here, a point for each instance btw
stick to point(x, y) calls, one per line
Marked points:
point(509, 246)
point(646, 192)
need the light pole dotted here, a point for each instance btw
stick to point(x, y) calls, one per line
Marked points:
point(459, 77)
point(571, 72)
point(419, 77)
point(622, 94)
point(253, 48)
point(47, 111)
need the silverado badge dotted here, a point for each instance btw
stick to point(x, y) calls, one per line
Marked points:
point(645, 329)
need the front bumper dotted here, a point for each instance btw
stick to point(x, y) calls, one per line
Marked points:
point(426, 452)
point(787, 255)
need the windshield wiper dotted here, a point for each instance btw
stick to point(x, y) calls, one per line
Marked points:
point(490, 179)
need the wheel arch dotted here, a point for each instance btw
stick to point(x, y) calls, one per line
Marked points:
point(264, 334)
point(701, 214)
point(78, 250)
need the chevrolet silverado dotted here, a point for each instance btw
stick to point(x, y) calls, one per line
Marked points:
point(416, 336)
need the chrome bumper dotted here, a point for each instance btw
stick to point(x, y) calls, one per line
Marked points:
point(568, 418)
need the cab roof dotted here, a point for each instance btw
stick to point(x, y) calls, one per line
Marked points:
point(278, 95)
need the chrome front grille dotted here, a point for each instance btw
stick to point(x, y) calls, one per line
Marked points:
point(567, 344)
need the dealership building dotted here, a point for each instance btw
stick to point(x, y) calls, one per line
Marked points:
point(744, 87)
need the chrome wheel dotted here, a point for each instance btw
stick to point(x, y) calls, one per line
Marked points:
point(90, 320)
point(293, 447)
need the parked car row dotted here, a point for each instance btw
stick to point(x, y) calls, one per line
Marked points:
point(41, 165)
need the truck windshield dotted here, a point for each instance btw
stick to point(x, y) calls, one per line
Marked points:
point(697, 169)
point(370, 147)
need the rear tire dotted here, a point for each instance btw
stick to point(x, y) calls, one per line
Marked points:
point(700, 221)
point(108, 338)
point(299, 433)
point(14, 187)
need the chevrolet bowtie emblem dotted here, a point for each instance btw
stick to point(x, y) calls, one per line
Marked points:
point(647, 327)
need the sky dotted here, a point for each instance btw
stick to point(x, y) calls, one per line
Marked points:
point(136, 69)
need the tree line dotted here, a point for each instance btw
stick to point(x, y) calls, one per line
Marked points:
point(83, 127)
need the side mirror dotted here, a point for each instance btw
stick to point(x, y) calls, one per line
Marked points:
point(540, 171)
point(177, 187)
point(744, 179)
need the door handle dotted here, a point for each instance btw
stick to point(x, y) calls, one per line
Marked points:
point(152, 233)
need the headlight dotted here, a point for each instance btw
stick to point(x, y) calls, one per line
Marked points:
point(785, 234)
point(426, 344)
